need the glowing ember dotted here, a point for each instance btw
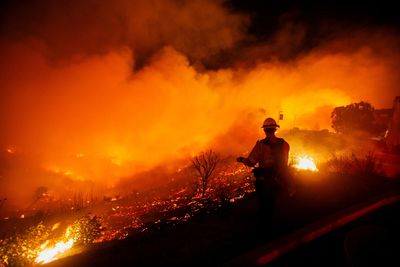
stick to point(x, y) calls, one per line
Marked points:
point(305, 163)
point(11, 150)
point(55, 226)
point(48, 254)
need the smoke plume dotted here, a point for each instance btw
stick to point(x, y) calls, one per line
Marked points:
point(74, 108)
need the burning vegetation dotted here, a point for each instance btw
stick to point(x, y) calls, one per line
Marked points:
point(305, 163)
point(133, 213)
point(175, 202)
point(103, 129)
point(43, 244)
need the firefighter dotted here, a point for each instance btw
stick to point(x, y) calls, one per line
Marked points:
point(270, 159)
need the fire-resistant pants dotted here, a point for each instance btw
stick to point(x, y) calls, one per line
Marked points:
point(267, 191)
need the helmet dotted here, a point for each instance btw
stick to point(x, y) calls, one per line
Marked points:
point(270, 123)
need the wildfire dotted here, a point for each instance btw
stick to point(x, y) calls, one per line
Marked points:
point(305, 163)
point(48, 254)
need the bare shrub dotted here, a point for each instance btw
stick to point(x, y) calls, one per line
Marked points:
point(369, 165)
point(205, 164)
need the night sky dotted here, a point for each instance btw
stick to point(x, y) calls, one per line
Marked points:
point(266, 14)
point(322, 21)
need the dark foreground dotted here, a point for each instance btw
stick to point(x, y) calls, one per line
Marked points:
point(221, 237)
point(372, 240)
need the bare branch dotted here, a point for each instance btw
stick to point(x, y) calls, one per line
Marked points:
point(205, 164)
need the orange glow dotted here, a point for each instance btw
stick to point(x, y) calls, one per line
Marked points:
point(50, 253)
point(102, 116)
point(55, 226)
point(96, 120)
point(305, 163)
point(11, 150)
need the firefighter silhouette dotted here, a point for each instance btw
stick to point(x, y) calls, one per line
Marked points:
point(269, 157)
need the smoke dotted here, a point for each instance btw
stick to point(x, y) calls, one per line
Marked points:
point(68, 29)
point(73, 108)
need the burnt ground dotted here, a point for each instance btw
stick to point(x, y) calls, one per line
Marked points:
point(215, 237)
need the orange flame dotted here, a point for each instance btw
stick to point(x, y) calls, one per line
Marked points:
point(305, 163)
point(48, 254)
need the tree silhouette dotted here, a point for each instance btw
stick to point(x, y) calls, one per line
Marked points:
point(205, 164)
point(352, 118)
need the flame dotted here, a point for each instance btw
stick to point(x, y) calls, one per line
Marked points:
point(305, 163)
point(55, 226)
point(48, 254)
point(11, 150)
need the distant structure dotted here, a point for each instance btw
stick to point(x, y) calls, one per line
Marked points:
point(393, 133)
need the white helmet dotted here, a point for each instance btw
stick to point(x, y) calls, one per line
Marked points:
point(270, 123)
